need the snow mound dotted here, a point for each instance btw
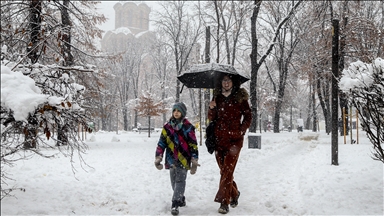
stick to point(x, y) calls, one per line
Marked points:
point(308, 136)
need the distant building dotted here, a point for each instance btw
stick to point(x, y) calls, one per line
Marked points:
point(132, 31)
point(131, 21)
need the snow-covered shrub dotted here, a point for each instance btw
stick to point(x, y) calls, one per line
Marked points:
point(47, 56)
point(364, 84)
point(33, 107)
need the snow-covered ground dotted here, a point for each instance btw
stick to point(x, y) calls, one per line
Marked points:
point(287, 176)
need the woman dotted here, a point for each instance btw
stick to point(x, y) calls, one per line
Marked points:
point(178, 141)
point(232, 113)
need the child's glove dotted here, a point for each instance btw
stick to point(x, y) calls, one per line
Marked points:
point(158, 165)
point(194, 166)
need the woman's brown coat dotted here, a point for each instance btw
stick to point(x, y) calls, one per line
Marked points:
point(233, 117)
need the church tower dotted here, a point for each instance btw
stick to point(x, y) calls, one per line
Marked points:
point(135, 17)
point(131, 21)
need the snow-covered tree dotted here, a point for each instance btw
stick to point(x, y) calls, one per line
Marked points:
point(46, 72)
point(363, 83)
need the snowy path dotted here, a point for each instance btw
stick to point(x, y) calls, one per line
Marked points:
point(278, 170)
point(286, 176)
point(274, 173)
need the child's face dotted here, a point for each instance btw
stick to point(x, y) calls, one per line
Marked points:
point(176, 114)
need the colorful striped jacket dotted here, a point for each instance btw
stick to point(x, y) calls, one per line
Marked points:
point(179, 145)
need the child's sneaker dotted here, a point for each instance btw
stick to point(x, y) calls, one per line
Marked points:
point(175, 208)
point(183, 203)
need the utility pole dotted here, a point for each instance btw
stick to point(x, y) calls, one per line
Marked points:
point(335, 89)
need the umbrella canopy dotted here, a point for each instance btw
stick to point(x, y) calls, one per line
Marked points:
point(206, 75)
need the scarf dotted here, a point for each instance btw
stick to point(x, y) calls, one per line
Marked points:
point(176, 124)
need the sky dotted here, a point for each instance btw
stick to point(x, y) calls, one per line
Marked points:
point(286, 176)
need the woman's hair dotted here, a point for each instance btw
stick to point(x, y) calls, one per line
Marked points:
point(235, 83)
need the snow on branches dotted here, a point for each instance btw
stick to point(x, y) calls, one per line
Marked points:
point(364, 84)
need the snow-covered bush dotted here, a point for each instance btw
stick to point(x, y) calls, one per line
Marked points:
point(33, 106)
point(364, 84)
point(47, 59)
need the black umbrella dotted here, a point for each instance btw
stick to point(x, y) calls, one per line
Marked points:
point(206, 75)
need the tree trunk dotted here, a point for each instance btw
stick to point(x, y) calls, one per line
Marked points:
point(35, 29)
point(225, 30)
point(104, 120)
point(381, 40)
point(66, 34)
point(308, 121)
point(177, 71)
point(324, 101)
point(218, 32)
point(68, 60)
point(276, 119)
point(255, 67)
point(125, 118)
point(30, 133)
point(314, 125)
point(62, 136)
point(136, 119)
point(342, 96)
point(149, 126)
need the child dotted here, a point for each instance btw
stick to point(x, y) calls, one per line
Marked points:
point(181, 154)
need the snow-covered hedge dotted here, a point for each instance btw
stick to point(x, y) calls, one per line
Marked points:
point(364, 85)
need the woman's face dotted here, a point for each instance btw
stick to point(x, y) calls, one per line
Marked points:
point(226, 83)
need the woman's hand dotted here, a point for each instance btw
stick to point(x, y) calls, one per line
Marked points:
point(212, 104)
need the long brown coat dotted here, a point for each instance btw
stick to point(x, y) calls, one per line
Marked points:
point(233, 117)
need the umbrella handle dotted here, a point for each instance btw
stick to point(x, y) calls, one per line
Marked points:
point(181, 88)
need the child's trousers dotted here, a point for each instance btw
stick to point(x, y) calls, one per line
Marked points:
point(178, 180)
